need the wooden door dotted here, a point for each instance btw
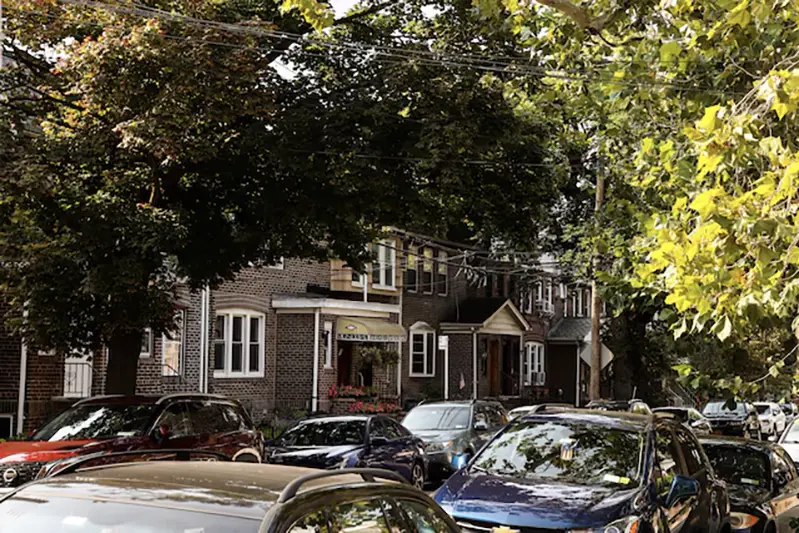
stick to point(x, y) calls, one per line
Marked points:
point(494, 374)
point(344, 364)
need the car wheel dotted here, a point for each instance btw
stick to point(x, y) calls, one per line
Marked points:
point(417, 476)
point(246, 458)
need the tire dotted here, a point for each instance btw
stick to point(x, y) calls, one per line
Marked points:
point(417, 476)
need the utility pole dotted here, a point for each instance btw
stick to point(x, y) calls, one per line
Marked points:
point(594, 390)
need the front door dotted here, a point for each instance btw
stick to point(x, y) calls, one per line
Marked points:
point(78, 375)
point(344, 364)
point(494, 373)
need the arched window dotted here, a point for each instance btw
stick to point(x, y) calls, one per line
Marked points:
point(423, 350)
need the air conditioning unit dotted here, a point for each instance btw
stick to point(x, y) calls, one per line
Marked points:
point(539, 379)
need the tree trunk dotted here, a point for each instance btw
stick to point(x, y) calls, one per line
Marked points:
point(123, 361)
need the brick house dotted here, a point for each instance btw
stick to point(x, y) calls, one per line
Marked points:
point(280, 337)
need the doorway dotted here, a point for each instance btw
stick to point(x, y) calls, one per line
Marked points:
point(344, 364)
point(494, 371)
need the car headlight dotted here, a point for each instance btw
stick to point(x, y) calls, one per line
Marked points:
point(438, 446)
point(742, 520)
point(628, 524)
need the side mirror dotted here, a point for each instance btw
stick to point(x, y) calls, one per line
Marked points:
point(160, 434)
point(681, 489)
point(378, 441)
point(480, 425)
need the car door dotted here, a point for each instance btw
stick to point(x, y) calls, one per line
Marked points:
point(403, 447)
point(216, 428)
point(379, 450)
point(668, 465)
point(705, 516)
point(785, 484)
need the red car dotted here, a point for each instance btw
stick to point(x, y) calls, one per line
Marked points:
point(120, 423)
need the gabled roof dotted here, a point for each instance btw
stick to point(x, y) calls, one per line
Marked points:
point(479, 313)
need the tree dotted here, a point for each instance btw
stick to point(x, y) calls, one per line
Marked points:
point(145, 148)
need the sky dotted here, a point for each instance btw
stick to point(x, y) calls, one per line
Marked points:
point(342, 6)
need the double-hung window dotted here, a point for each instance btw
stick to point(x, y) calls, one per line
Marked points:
point(327, 338)
point(427, 271)
point(172, 348)
point(411, 268)
point(239, 344)
point(383, 267)
point(533, 370)
point(423, 353)
point(146, 343)
point(442, 273)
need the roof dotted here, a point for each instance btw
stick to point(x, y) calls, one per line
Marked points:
point(245, 490)
point(618, 419)
point(476, 310)
point(570, 329)
point(334, 418)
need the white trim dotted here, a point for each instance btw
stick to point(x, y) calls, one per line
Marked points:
point(150, 344)
point(328, 329)
point(534, 361)
point(446, 363)
point(246, 315)
point(474, 365)
point(362, 280)
point(23, 381)
point(280, 264)
point(329, 305)
point(429, 366)
point(315, 386)
point(180, 333)
point(203, 338)
point(516, 313)
point(385, 248)
point(522, 355)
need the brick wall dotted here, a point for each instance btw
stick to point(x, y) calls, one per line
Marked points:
point(460, 362)
point(10, 353)
point(294, 364)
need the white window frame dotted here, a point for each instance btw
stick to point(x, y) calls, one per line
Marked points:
point(178, 337)
point(442, 269)
point(429, 365)
point(534, 360)
point(386, 255)
point(149, 352)
point(246, 315)
point(328, 347)
point(586, 302)
point(577, 302)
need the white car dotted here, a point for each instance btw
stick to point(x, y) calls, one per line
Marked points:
point(772, 419)
point(790, 440)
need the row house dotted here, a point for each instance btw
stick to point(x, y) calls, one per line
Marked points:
point(447, 322)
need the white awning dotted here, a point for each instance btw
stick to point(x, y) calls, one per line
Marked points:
point(368, 330)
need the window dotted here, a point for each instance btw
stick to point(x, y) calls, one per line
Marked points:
point(411, 268)
point(172, 348)
point(539, 291)
point(424, 518)
point(327, 338)
point(784, 465)
point(358, 279)
point(377, 429)
point(667, 466)
point(577, 302)
point(239, 344)
point(383, 267)
point(315, 522)
point(563, 291)
point(442, 273)
point(365, 516)
point(586, 302)
point(280, 264)
point(394, 430)
point(209, 418)
point(146, 343)
point(427, 271)
point(423, 347)
point(176, 419)
point(533, 370)
point(690, 452)
point(548, 292)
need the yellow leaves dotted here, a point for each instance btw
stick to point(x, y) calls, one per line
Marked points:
point(669, 50)
point(707, 164)
point(318, 15)
point(782, 107)
point(705, 202)
point(710, 121)
point(404, 112)
point(679, 205)
point(647, 145)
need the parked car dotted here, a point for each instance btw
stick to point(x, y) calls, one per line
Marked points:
point(590, 471)
point(688, 416)
point(454, 430)
point(528, 409)
point(790, 409)
point(116, 423)
point(220, 497)
point(373, 441)
point(631, 406)
point(789, 440)
point(733, 418)
point(772, 419)
point(761, 480)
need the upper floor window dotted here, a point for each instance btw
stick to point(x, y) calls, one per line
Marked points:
point(427, 271)
point(383, 266)
point(172, 347)
point(358, 279)
point(239, 344)
point(411, 268)
point(586, 302)
point(442, 273)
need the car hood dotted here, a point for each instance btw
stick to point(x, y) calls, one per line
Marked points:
point(313, 456)
point(439, 435)
point(744, 497)
point(533, 503)
point(26, 450)
point(792, 449)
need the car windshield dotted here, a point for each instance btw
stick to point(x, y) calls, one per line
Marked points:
point(792, 435)
point(96, 422)
point(739, 466)
point(39, 512)
point(679, 414)
point(721, 408)
point(428, 417)
point(325, 433)
point(762, 409)
point(587, 454)
point(786, 408)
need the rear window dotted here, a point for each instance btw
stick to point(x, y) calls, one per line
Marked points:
point(739, 466)
point(325, 433)
point(716, 408)
point(97, 421)
point(679, 414)
point(40, 512)
point(430, 417)
point(762, 409)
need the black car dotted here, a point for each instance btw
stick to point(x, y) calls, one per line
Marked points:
point(590, 471)
point(373, 441)
point(638, 407)
point(738, 419)
point(690, 417)
point(219, 497)
point(762, 482)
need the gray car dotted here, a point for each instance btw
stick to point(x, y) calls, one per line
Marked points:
point(454, 431)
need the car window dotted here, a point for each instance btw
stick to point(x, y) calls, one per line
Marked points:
point(365, 516)
point(315, 522)
point(667, 461)
point(394, 430)
point(783, 466)
point(324, 433)
point(763, 409)
point(791, 435)
point(424, 519)
point(176, 419)
point(31, 511)
point(721, 408)
point(97, 421)
point(442, 416)
point(377, 429)
point(739, 465)
point(208, 418)
point(690, 452)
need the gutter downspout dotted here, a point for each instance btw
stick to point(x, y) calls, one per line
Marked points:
point(23, 379)
point(315, 390)
point(474, 363)
point(446, 370)
point(399, 351)
point(577, 383)
point(207, 331)
point(203, 335)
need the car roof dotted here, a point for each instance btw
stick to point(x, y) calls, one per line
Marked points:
point(120, 399)
point(672, 408)
point(617, 419)
point(245, 490)
point(738, 442)
point(335, 418)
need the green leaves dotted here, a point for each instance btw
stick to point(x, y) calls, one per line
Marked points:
point(669, 50)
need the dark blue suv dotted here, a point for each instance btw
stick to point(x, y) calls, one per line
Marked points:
point(586, 470)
